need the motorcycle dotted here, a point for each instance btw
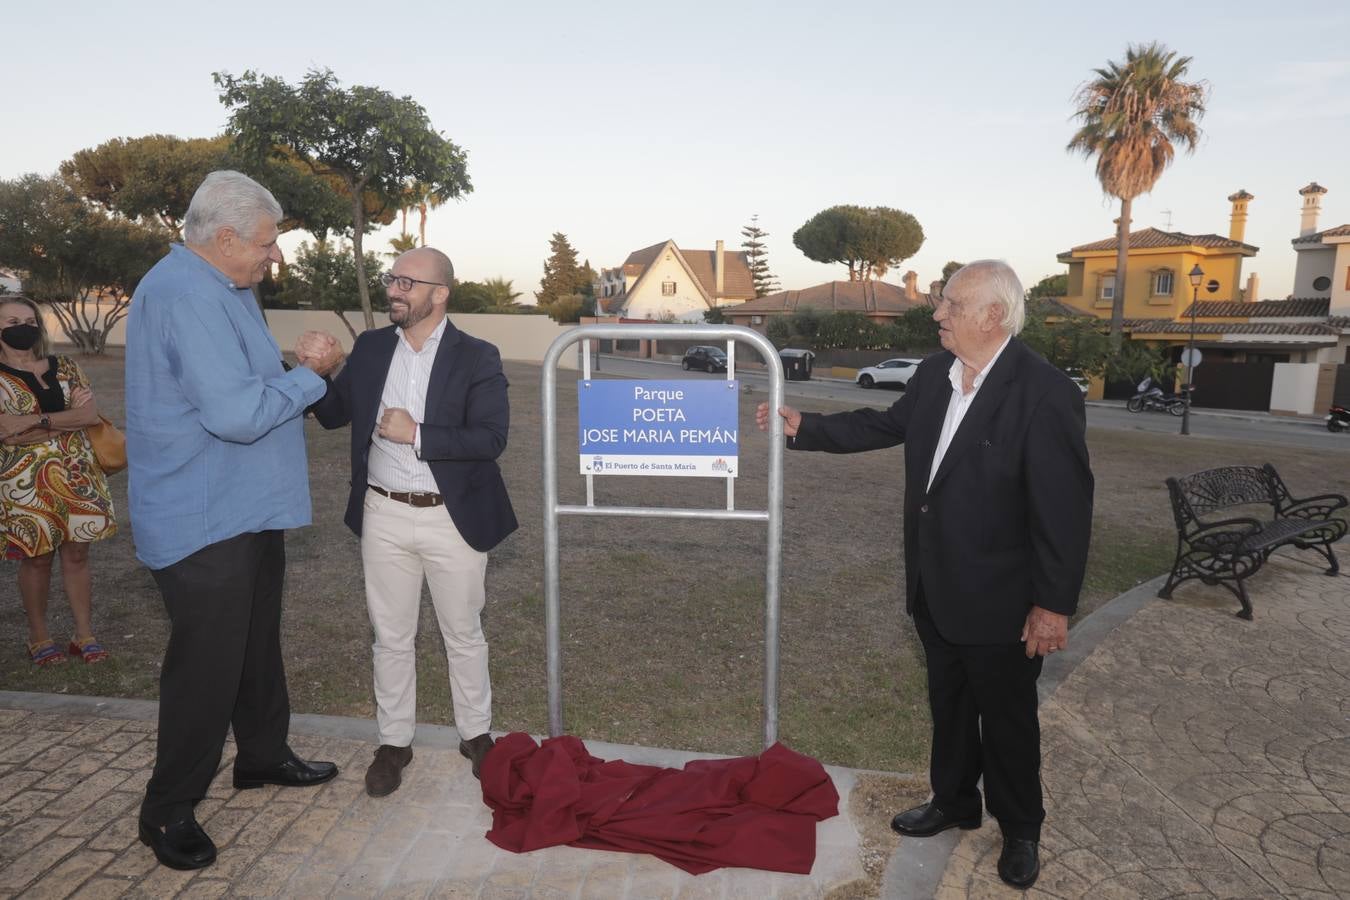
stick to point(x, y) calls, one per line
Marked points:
point(1338, 419)
point(1154, 400)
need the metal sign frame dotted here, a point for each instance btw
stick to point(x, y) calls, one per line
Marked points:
point(553, 510)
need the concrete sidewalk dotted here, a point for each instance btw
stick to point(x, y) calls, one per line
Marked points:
point(1186, 752)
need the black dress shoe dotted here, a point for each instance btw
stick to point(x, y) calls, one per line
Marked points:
point(475, 750)
point(180, 845)
point(294, 772)
point(1019, 863)
point(928, 820)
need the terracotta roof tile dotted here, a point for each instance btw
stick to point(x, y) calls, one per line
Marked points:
point(1316, 237)
point(737, 282)
point(867, 297)
point(1168, 326)
point(1150, 238)
point(1298, 307)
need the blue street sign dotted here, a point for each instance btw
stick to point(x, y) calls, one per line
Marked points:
point(658, 427)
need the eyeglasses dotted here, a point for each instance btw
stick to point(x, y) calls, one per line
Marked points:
point(405, 283)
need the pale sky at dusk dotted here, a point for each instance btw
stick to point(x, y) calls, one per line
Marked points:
point(626, 124)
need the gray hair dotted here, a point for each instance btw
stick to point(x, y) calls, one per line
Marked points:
point(998, 283)
point(227, 199)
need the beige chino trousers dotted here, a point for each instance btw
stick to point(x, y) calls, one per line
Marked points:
point(401, 545)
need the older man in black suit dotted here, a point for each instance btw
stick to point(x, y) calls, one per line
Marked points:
point(429, 415)
point(998, 511)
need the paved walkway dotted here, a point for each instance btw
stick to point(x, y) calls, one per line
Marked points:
point(1187, 753)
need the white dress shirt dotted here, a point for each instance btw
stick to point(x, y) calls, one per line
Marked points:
point(959, 404)
point(399, 467)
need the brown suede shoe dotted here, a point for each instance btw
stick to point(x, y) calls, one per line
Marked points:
point(386, 772)
point(475, 749)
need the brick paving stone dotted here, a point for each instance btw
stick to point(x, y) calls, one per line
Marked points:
point(22, 805)
point(119, 834)
point(161, 882)
point(95, 732)
point(204, 888)
point(40, 750)
point(102, 889)
point(93, 818)
point(119, 742)
point(75, 770)
point(307, 830)
point(85, 792)
point(64, 879)
point(140, 756)
point(29, 865)
point(132, 863)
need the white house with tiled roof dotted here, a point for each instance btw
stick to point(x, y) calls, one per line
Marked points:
point(1323, 265)
point(663, 282)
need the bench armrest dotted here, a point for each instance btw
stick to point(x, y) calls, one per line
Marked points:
point(1318, 507)
point(1224, 536)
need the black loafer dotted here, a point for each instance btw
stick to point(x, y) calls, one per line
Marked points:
point(179, 845)
point(928, 820)
point(1019, 863)
point(294, 772)
point(475, 750)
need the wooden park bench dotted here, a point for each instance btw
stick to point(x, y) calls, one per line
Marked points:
point(1228, 551)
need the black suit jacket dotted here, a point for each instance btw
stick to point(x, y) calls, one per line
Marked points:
point(463, 432)
point(1007, 520)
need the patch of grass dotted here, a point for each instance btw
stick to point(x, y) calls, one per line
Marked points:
point(662, 620)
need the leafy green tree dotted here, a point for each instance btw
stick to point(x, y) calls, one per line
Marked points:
point(503, 293)
point(470, 297)
point(1130, 116)
point(374, 143)
point(779, 331)
point(401, 245)
point(914, 329)
point(869, 240)
point(758, 258)
point(323, 276)
point(563, 277)
point(1050, 287)
point(715, 315)
point(81, 262)
point(848, 330)
point(567, 309)
point(950, 269)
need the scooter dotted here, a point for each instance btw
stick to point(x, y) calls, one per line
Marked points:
point(1338, 419)
point(1154, 399)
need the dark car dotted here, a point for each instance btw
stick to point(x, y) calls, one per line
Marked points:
point(709, 359)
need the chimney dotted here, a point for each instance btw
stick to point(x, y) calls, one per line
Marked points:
point(719, 271)
point(1253, 288)
point(1237, 224)
point(912, 285)
point(1312, 208)
point(935, 290)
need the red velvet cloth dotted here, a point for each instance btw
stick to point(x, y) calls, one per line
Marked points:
point(758, 812)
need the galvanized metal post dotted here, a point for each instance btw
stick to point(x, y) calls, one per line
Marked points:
point(772, 516)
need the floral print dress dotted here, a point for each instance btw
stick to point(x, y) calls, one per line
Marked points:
point(51, 491)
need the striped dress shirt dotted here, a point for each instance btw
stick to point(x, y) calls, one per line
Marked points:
point(399, 467)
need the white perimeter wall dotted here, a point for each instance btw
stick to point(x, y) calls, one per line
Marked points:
point(1294, 388)
point(521, 338)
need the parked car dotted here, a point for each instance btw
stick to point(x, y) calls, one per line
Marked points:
point(1077, 378)
point(891, 372)
point(709, 359)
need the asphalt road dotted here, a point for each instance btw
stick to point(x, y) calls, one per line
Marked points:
point(1254, 427)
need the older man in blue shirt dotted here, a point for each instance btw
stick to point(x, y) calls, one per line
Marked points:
point(216, 452)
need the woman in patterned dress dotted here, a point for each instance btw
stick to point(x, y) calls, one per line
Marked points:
point(53, 496)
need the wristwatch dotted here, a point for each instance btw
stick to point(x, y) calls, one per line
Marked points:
point(45, 421)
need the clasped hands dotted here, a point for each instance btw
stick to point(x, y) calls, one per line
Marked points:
point(22, 428)
point(319, 352)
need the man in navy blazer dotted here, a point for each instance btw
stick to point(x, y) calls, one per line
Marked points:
point(998, 512)
point(429, 415)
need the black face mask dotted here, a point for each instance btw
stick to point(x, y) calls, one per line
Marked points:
point(21, 337)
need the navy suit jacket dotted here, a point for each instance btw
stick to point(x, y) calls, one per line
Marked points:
point(1007, 520)
point(464, 429)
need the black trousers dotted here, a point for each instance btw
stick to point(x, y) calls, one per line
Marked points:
point(222, 668)
point(983, 702)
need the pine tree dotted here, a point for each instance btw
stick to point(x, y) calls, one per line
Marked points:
point(562, 275)
point(757, 257)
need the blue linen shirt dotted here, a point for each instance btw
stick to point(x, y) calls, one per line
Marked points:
point(215, 431)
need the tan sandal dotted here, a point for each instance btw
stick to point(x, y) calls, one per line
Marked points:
point(89, 650)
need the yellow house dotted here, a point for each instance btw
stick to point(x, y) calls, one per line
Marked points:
point(1156, 284)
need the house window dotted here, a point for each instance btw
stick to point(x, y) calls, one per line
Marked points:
point(1108, 288)
point(667, 289)
point(756, 320)
point(1162, 283)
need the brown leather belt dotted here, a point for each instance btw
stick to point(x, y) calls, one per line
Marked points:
point(410, 498)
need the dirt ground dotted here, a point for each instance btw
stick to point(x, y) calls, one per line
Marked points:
point(662, 621)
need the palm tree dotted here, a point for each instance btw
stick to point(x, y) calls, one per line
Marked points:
point(401, 245)
point(1130, 117)
point(422, 197)
point(502, 292)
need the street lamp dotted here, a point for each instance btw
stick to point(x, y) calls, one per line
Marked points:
point(1197, 275)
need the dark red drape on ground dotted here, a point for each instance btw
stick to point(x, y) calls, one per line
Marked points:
point(754, 811)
